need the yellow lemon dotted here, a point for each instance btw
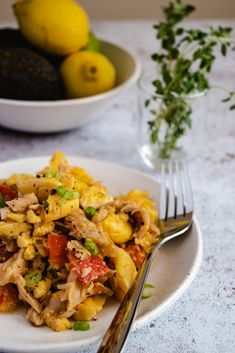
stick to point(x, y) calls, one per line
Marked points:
point(56, 26)
point(87, 73)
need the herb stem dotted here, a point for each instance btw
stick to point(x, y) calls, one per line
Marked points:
point(183, 63)
point(223, 89)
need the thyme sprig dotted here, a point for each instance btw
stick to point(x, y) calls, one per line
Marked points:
point(185, 59)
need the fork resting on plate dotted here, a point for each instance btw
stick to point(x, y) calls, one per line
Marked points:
point(175, 218)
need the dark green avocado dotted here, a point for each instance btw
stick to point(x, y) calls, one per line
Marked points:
point(12, 38)
point(26, 75)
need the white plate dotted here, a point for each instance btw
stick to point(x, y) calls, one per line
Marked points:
point(172, 272)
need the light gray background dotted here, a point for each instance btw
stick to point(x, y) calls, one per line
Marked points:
point(134, 9)
point(202, 321)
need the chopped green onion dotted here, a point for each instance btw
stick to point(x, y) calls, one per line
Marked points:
point(53, 173)
point(33, 278)
point(2, 201)
point(66, 194)
point(61, 190)
point(149, 285)
point(147, 293)
point(81, 326)
point(90, 211)
point(91, 246)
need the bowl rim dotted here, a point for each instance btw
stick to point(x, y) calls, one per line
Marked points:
point(74, 101)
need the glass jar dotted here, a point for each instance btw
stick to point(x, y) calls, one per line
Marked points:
point(192, 141)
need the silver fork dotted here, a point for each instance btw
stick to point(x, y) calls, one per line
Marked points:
point(176, 213)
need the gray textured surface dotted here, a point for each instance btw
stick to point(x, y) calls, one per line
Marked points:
point(202, 321)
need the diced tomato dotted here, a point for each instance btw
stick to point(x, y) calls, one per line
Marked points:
point(57, 245)
point(137, 254)
point(4, 254)
point(7, 192)
point(8, 298)
point(90, 269)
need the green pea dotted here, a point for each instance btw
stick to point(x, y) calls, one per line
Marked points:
point(91, 246)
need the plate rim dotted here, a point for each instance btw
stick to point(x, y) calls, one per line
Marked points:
point(139, 322)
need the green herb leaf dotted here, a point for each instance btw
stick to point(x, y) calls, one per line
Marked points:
point(226, 99)
point(91, 246)
point(185, 59)
point(33, 278)
point(90, 211)
point(154, 136)
point(147, 102)
point(157, 57)
point(159, 86)
point(81, 326)
point(232, 107)
point(223, 49)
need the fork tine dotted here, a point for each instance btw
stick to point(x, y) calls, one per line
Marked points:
point(163, 194)
point(171, 193)
point(176, 198)
point(179, 190)
point(188, 199)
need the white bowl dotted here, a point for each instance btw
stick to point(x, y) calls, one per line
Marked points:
point(66, 114)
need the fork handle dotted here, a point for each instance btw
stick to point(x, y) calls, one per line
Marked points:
point(117, 333)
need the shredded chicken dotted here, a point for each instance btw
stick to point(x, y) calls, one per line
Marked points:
point(34, 207)
point(81, 227)
point(141, 217)
point(4, 212)
point(55, 321)
point(150, 238)
point(154, 230)
point(71, 291)
point(119, 203)
point(55, 305)
point(22, 203)
point(4, 254)
point(73, 295)
point(12, 268)
point(102, 213)
point(34, 317)
point(99, 288)
point(56, 308)
point(24, 295)
point(10, 272)
point(11, 245)
point(78, 250)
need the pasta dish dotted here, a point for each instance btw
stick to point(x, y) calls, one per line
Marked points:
point(67, 245)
